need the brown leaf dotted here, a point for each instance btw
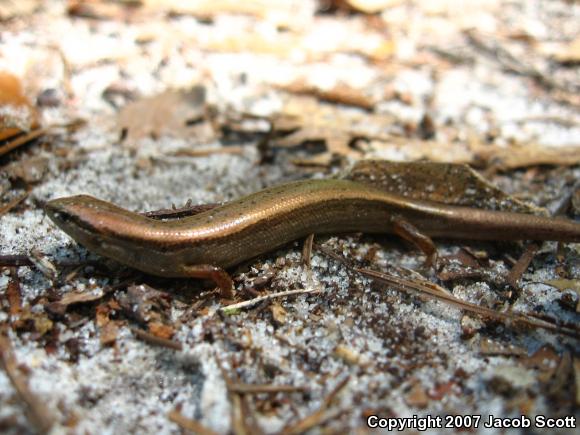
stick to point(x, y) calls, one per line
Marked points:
point(17, 115)
point(33, 322)
point(372, 6)
point(308, 121)
point(174, 113)
point(160, 330)
point(30, 170)
point(11, 9)
point(569, 54)
point(59, 307)
point(350, 355)
point(442, 390)
point(13, 293)
point(346, 133)
point(565, 284)
point(109, 334)
point(440, 182)
point(341, 94)
point(529, 155)
point(561, 387)
point(95, 9)
point(545, 358)
point(145, 304)
point(488, 347)
point(279, 314)
point(102, 314)
point(417, 397)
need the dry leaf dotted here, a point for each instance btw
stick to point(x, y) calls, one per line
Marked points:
point(347, 133)
point(13, 294)
point(42, 324)
point(145, 304)
point(529, 155)
point(14, 8)
point(372, 6)
point(545, 358)
point(175, 113)
point(440, 182)
point(417, 397)
point(59, 307)
point(341, 94)
point(279, 314)
point(570, 54)
point(442, 390)
point(109, 333)
point(160, 330)
point(565, 284)
point(309, 121)
point(488, 347)
point(101, 10)
point(561, 386)
point(102, 314)
point(30, 170)
point(17, 115)
point(350, 356)
point(481, 155)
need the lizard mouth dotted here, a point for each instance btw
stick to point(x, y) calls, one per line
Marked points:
point(61, 212)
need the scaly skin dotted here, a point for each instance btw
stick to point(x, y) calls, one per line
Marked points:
point(263, 221)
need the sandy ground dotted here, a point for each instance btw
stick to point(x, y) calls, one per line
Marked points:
point(356, 348)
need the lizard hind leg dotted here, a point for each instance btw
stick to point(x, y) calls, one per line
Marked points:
point(216, 274)
point(406, 230)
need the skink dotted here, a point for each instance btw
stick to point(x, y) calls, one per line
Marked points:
point(206, 243)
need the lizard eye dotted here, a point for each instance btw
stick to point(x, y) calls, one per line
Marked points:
point(62, 216)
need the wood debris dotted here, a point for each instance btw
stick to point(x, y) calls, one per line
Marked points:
point(174, 113)
point(156, 340)
point(36, 410)
point(570, 53)
point(19, 121)
point(339, 94)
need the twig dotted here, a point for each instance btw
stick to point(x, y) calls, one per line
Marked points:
point(43, 264)
point(321, 415)
point(7, 207)
point(36, 410)
point(436, 293)
point(234, 307)
point(13, 294)
point(307, 250)
point(21, 140)
point(509, 62)
point(522, 264)
point(267, 388)
point(564, 201)
point(14, 260)
point(189, 424)
point(467, 306)
point(240, 408)
point(335, 391)
point(317, 418)
point(202, 152)
point(157, 341)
